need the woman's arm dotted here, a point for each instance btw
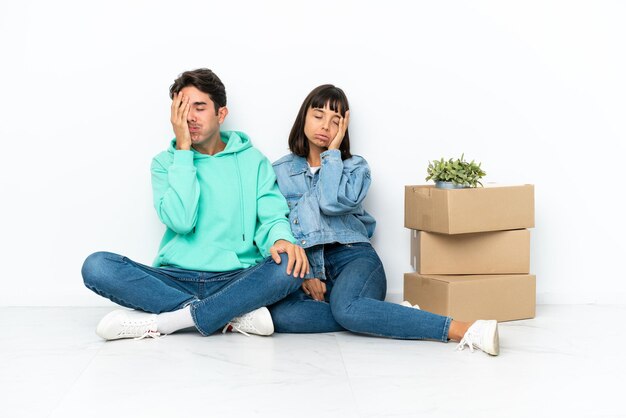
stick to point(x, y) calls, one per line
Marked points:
point(342, 185)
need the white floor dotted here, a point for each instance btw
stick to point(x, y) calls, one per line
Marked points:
point(567, 362)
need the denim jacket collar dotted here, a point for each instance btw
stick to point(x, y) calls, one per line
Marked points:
point(298, 165)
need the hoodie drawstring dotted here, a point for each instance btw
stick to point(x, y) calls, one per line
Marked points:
point(242, 207)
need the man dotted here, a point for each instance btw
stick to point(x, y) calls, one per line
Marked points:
point(227, 250)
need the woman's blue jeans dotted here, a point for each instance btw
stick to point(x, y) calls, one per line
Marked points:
point(214, 298)
point(355, 291)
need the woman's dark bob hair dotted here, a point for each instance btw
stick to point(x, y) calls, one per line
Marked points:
point(324, 95)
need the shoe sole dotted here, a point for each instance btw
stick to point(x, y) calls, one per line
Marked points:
point(269, 321)
point(102, 330)
point(493, 348)
point(262, 325)
point(108, 327)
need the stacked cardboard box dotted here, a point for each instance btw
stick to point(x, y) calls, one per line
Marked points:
point(470, 249)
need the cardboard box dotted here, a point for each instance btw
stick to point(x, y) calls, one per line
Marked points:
point(459, 211)
point(468, 298)
point(500, 252)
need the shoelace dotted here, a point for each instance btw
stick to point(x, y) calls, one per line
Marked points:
point(239, 324)
point(136, 328)
point(152, 334)
point(467, 340)
point(235, 327)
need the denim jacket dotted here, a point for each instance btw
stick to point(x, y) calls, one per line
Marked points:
point(325, 207)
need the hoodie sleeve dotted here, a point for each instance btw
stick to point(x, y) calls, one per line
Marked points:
point(342, 186)
point(176, 192)
point(272, 211)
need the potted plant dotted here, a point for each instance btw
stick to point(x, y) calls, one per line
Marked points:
point(455, 174)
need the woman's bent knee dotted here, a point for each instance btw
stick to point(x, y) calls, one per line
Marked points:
point(345, 316)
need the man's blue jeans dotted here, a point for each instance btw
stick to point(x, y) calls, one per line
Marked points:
point(355, 291)
point(214, 298)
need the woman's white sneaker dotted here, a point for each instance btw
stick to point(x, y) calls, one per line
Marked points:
point(483, 335)
point(257, 322)
point(408, 304)
point(123, 323)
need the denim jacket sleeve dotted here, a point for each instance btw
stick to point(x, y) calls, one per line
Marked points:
point(342, 184)
point(322, 215)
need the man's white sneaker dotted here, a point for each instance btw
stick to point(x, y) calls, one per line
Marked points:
point(257, 322)
point(123, 323)
point(408, 304)
point(482, 335)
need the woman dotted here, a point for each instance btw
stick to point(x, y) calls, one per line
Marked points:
point(325, 185)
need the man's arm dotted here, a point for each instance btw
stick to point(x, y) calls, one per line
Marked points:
point(175, 187)
point(176, 192)
point(297, 261)
point(273, 233)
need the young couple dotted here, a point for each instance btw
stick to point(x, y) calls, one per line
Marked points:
point(253, 248)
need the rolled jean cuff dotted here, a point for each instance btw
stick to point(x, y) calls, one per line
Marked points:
point(446, 330)
point(316, 273)
point(192, 307)
point(187, 303)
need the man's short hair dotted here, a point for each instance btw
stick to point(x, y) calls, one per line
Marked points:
point(204, 80)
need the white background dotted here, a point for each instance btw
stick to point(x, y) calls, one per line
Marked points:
point(535, 90)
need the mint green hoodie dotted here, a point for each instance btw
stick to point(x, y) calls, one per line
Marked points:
point(223, 212)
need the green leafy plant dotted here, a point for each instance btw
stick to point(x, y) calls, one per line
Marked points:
point(459, 172)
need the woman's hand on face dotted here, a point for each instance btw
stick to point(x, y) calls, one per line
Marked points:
point(341, 132)
point(314, 288)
